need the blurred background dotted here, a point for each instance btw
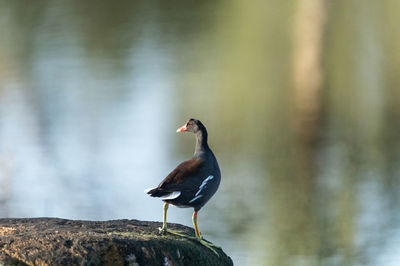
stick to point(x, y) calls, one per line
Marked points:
point(301, 100)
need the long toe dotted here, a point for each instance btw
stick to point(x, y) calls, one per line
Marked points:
point(173, 232)
point(209, 245)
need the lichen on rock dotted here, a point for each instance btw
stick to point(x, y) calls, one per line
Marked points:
point(53, 241)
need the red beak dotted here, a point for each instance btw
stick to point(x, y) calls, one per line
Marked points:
point(182, 128)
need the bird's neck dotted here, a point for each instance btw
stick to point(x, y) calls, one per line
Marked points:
point(201, 143)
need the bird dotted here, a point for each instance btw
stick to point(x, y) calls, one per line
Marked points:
point(192, 183)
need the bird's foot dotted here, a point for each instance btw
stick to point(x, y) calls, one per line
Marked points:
point(208, 245)
point(164, 230)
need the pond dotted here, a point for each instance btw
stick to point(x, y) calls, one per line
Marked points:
point(91, 94)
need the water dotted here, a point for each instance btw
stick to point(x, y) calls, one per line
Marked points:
point(91, 94)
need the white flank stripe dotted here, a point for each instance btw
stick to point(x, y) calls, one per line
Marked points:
point(195, 198)
point(170, 196)
point(203, 184)
point(201, 188)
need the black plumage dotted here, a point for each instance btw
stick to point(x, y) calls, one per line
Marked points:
point(188, 177)
point(193, 182)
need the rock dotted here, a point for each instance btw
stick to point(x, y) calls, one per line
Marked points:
point(53, 241)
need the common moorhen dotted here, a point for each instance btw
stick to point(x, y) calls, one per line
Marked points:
point(193, 182)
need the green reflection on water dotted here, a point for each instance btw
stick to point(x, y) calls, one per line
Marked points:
point(319, 192)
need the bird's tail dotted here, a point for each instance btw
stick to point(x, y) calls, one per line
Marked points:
point(165, 195)
point(154, 192)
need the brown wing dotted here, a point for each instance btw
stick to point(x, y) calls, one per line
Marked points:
point(181, 174)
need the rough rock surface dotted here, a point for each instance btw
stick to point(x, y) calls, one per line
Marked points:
point(53, 241)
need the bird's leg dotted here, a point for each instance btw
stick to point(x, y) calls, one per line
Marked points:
point(199, 237)
point(164, 228)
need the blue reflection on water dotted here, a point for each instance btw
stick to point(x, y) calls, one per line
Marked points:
point(85, 147)
point(86, 126)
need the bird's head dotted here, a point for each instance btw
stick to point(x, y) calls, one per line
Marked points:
point(192, 125)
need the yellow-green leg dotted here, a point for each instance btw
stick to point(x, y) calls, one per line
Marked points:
point(164, 228)
point(199, 237)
